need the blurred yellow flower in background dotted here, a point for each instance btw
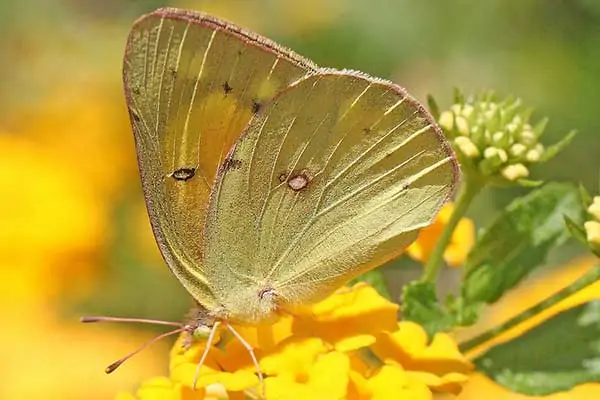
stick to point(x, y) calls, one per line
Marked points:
point(461, 242)
point(350, 345)
point(64, 161)
point(520, 299)
point(301, 18)
point(52, 226)
point(58, 186)
point(85, 127)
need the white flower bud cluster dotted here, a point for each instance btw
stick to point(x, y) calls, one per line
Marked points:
point(592, 227)
point(494, 137)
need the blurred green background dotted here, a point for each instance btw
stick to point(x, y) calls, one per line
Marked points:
point(74, 236)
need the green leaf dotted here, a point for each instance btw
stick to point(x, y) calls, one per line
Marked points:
point(577, 231)
point(433, 107)
point(586, 197)
point(519, 240)
point(539, 127)
point(556, 148)
point(557, 355)
point(464, 314)
point(459, 97)
point(376, 279)
point(420, 304)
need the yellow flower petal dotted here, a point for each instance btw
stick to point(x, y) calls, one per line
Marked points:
point(156, 388)
point(398, 345)
point(451, 383)
point(327, 379)
point(184, 363)
point(294, 357)
point(162, 388)
point(354, 342)
point(307, 364)
point(268, 335)
point(358, 387)
point(349, 318)
point(391, 382)
point(408, 346)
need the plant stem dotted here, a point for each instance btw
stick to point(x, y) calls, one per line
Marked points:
point(592, 276)
point(468, 191)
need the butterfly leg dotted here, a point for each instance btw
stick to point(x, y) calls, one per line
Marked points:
point(209, 341)
point(252, 355)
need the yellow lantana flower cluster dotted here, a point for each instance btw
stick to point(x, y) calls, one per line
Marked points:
point(349, 346)
point(592, 227)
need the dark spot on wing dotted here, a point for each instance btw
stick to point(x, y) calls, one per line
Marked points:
point(231, 163)
point(173, 72)
point(255, 106)
point(226, 88)
point(183, 174)
point(135, 90)
point(283, 176)
point(366, 131)
point(299, 181)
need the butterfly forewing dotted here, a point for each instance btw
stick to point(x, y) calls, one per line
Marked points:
point(192, 84)
point(334, 178)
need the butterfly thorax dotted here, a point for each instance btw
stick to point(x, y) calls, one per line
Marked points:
point(251, 305)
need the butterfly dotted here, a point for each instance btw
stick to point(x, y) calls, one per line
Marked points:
point(269, 181)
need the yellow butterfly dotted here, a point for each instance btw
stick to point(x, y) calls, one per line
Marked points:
point(271, 182)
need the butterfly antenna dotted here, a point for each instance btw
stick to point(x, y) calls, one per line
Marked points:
point(252, 355)
point(118, 363)
point(123, 319)
point(211, 337)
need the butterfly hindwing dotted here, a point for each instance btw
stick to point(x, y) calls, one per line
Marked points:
point(333, 178)
point(192, 84)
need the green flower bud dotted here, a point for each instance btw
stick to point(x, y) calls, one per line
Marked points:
point(533, 156)
point(528, 138)
point(594, 208)
point(447, 120)
point(466, 146)
point(494, 152)
point(592, 230)
point(462, 125)
point(517, 149)
point(499, 141)
point(467, 111)
point(514, 172)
